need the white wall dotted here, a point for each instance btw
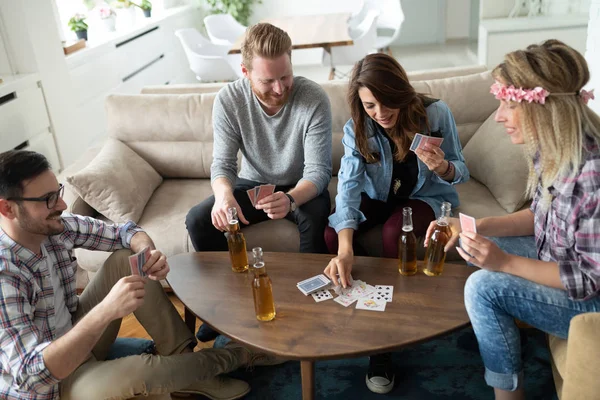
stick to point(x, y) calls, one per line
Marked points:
point(496, 8)
point(592, 54)
point(458, 19)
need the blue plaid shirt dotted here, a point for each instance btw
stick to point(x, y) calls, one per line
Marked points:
point(27, 316)
point(568, 230)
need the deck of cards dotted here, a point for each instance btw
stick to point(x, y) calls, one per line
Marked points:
point(420, 141)
point(137, 261)
point(258, 193)
point(314, 284)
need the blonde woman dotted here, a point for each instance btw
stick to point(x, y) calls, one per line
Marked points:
point(542, 105)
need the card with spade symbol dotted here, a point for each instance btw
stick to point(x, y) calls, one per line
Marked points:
point(322, 295)
point(383, 292)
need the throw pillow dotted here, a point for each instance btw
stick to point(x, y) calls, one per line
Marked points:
point(117, 183)
point(499, 164)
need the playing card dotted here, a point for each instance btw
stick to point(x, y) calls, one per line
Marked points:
point(133, 263)
point(467, 223)
point(344, 301)
point(252, 196)
point(383, 292)
point(313, 284)
point(370, 304)
point(137, 261)
point(264, 191)
point(416, 141)
point(434, 141)
point(322, 295)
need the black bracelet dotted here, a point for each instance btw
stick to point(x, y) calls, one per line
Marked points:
point(448, 171)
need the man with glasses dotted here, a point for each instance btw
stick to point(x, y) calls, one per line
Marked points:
point(52, 342)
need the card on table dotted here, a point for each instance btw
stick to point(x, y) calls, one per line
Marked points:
point(366, 303)
point(322, 295)
point(383, 292)
point(311, 285)
point(345, 301)
point(467, 223)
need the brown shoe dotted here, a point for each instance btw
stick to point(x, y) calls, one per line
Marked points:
point(256, 358)
point(218, 388)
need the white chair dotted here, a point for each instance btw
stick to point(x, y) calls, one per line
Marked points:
point(223, 29)
point(364, 38)
point(210, 62)
point(390, 20)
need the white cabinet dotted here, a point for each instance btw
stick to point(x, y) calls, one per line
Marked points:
point(24, 122)
point(499, 36)
point(149, 54)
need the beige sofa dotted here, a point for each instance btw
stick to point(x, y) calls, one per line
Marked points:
point(171, 134)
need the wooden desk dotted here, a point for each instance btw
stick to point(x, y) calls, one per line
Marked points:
point(422, 308)
point(310, 31)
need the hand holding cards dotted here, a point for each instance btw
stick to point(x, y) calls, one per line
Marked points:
point(137, 261)
point(258, 193)
point(420, 141)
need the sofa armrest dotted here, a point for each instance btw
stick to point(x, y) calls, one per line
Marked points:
point(583, 358)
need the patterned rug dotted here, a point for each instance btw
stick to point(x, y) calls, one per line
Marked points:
point(447, 368)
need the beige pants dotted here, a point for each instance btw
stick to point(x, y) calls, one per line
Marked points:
point(141, 375)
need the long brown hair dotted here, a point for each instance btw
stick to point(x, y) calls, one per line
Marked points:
point(388, 82)
point(554, 130)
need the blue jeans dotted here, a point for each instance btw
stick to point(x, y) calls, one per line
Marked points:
point(493, 301)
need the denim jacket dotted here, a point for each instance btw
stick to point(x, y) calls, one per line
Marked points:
point(356, 176)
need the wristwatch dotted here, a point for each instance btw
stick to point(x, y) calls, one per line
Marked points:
point(292, 202)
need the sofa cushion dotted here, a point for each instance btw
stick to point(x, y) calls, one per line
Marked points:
point(117, 183)
point(501, 166)
point(172, 132)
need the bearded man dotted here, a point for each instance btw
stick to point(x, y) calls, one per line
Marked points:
point(281, 124)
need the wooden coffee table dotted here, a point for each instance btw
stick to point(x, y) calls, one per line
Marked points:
point(423, 307)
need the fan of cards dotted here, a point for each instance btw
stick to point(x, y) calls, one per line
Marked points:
point(367, 297)
point(137, 261)
point(420, 141)
point(258, 193)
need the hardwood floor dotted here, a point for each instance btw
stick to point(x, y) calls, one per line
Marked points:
point(130, 327)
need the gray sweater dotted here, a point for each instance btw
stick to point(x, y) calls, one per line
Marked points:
point(292, 145)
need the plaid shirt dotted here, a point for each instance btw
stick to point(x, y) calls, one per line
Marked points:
point(27, 317)
point(568, 231)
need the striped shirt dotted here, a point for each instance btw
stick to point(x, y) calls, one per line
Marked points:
point(568, 231)
point(27, 316)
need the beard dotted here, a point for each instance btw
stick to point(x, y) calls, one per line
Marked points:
point(271, 100)
point(47, 227)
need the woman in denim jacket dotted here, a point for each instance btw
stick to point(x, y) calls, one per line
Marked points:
point(379, 175)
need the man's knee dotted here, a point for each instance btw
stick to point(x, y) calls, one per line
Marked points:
point(119, 259)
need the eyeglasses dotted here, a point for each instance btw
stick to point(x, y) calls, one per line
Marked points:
point(51, 198)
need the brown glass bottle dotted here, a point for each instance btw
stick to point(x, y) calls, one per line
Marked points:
point(435, 254)
point(407, 245)
point(262, 289)
point(236, 243)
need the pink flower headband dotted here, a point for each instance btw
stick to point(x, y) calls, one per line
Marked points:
point(537, 94)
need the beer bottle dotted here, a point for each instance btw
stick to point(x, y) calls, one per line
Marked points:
point(236, 242)
point(407, 245)
point(262, 288)
point(435, 254)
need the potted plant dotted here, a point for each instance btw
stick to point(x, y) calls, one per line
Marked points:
point(239, 9)
point(108, 16)
point(77, 24)
point(146, 7)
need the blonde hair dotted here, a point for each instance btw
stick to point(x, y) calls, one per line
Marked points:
point(266, 41)
point(553, 131)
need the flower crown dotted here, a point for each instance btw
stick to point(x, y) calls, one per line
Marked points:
point(536, 95)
